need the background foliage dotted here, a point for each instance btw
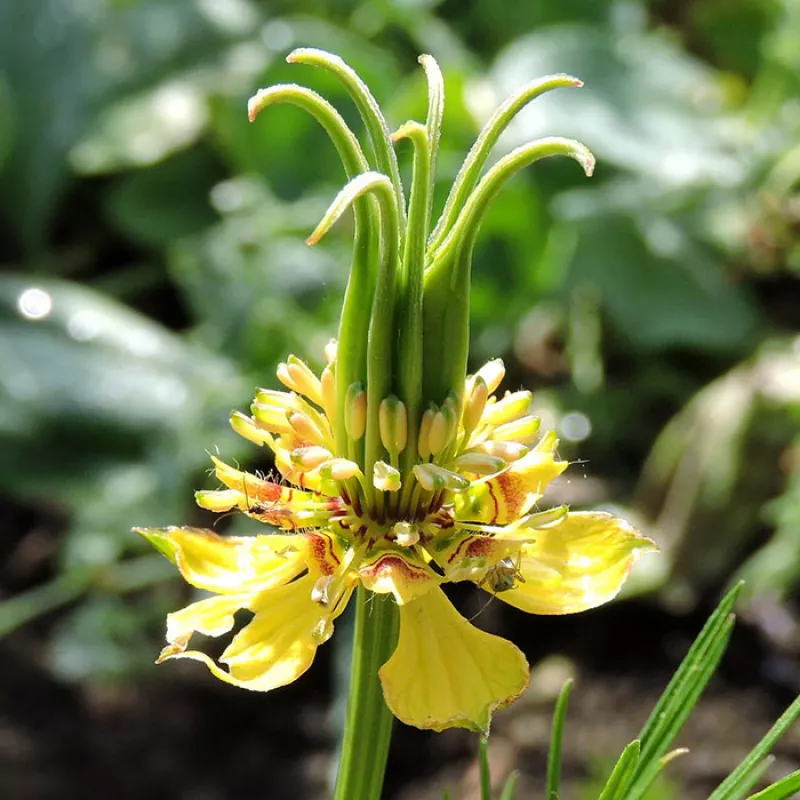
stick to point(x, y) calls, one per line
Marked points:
point(155, 271)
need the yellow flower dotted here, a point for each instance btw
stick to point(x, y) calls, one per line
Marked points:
point(399, 473)
point(468, 509)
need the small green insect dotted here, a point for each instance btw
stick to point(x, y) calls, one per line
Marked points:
point(503, 575)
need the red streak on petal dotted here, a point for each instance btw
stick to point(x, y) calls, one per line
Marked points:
point(321, 551)
point(494, 498)
point(395, 566)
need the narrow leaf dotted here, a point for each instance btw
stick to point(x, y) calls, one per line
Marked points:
point(622, 774)
point(682, 693)
point(646, 778)
point(785, 788)
point(556, 740)
point(742, 789)
point(725, 789)
point(686, 673)
point(510, 787)
point(678, 711)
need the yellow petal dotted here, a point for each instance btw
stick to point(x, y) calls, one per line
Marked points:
point(577, 564)
point(255, 489)
point(392, 572)
point(218, 500)
point(230, 564)
point(275, 648)
point(447, 673)
point(508, 495)
point(282, 639)
point(211, 617)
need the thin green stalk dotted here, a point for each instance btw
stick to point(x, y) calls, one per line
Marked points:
point(787, 719)
point(409, 310)
point(352, 357)
point(553, 786)
point(483, 769)
point(470, 171)
point(369, 110)
point(368, 728)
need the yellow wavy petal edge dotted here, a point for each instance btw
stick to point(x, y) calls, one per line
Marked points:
point(273, 649)
point(447, 673)
point(578, 564)
point(229, 564)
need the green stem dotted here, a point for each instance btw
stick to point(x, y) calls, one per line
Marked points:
point(447, 279)
point(352, 353)
point(369, 110)
point(409, 310)
point(470, 171)
point(368, 728)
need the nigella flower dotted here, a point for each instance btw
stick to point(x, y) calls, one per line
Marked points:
point(399, 473)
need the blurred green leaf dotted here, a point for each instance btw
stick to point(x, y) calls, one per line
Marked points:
point(656, 301)
point(648, 107)
point(50, 88)
point(143, 129)
point(103, 639)
point(510, 787)
point(257, 288)
point(169, 200)
point(75, 366)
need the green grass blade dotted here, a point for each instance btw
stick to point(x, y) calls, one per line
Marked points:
point(725, 790)
point(783, 789)
point(483, 767)
point(682, 693)
point(510, 786)
point(556, 739)
point(645, 779)
point(651, 735)
point(622, 774)
point(678, 709)
point(742, 790)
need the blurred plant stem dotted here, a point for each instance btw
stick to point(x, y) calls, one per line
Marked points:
point(136, 573)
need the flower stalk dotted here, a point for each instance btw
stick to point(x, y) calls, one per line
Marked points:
point(368, 729)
